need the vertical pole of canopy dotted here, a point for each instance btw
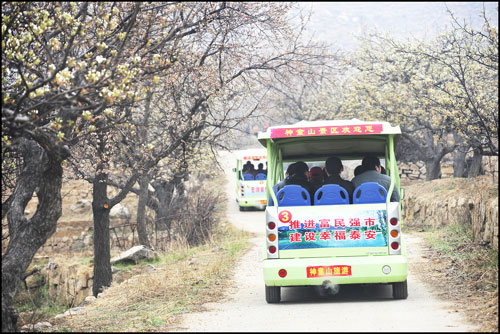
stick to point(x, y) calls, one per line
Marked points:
point(390, 156)
point(395, 174)
point(272, 168)
point(387, 159)
point(279, 163)
point(391, 166)
point(239, 175)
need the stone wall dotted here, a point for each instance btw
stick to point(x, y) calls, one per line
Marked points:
point(456, 200)
point(68, 281)
point(73, 281)
point(416, 171)
point(65, 262)
point(71, 237)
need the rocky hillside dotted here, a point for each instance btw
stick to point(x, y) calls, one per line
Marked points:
point(455, 200)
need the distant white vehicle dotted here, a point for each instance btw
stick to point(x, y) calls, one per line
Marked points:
point(251, 184)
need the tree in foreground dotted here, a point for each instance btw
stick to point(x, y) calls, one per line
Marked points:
point(76, 76)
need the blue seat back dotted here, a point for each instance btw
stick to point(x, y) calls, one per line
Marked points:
point(331, 194)
point(260, 176)
point(293, 195)
point(248, 177)
point(369, 192)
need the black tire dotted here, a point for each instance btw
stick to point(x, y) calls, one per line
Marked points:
point(400, 290)
point(273, 294)
point(242, 208)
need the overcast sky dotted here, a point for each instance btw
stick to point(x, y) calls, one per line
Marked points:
point(337, 22)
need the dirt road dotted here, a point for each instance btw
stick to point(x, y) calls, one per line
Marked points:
point(354, 308)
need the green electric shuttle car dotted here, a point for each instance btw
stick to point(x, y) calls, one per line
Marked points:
point(327, 239)
point(251, 187)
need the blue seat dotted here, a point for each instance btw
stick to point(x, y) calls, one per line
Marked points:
point(369, 192)
point(293, 195)
point(331, 194)
point(261, 176)
point(248, 177)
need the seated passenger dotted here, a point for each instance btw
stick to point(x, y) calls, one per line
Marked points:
point(358, 170)
point(334, 168)
point(372, 167)
point(323, 172)
point(299, 177)
point(261, 169)
point(250, 170)
point(289, 171)
point(246, 166)
point(316, 178)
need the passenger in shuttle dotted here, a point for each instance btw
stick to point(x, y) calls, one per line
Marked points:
point(300, 176)
point(372, 167)
point(289, 171)
point(334, 168)
point(316, 178)
point(358, 170)
point(261, 169)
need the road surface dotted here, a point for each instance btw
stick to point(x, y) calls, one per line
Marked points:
point(353, 309)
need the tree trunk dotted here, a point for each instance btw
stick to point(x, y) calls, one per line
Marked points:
point(141, 211)
point(179, 185)
point(476, 166)
point(26, 236)
point(431, 153)
point(102, 253)
point(459, 163)
point(432, 169)
point(163, 193)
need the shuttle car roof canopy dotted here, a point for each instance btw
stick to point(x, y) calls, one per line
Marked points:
point(320, 139)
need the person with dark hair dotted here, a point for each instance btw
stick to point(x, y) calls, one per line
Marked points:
point(334, 168)
point(358, 170)
point(325, 176)
point(260, 169)
point(289, 171)
point(316, 178)
point(250, 170)
point(372, 167)
point(247, 166)
point(299, 177)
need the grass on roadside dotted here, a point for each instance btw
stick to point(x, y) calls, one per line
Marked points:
point(476, 263)
point(471, 272)
point(184, 279)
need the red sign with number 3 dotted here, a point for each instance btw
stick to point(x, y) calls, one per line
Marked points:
point(285, 216)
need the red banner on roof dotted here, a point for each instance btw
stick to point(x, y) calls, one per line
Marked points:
point(342, 130)
point(254, 157)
